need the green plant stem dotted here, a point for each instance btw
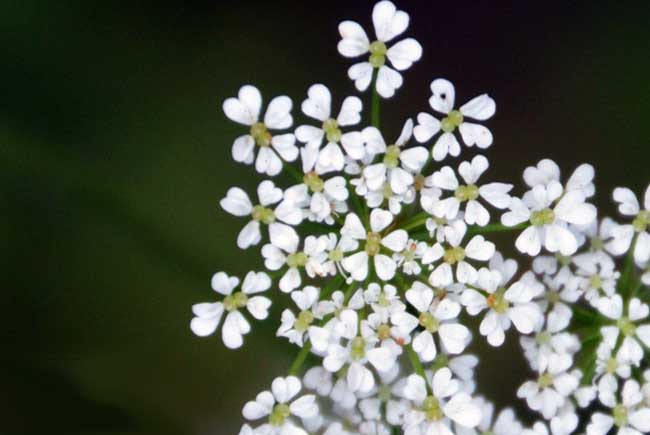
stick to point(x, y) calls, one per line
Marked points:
point(420, 220)
point(362, 209)
point(416, 221)
point(495, 228)
point(415, 363)
point(624, 287)
point(300, 359)
point(375, 106)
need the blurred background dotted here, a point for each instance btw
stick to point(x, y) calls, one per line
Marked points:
point(114, 153)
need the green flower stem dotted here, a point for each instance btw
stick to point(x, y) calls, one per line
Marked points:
point(416, 221)
point(416, 364)
point(420, 220)
point(375, 107)
point(495, 228)
point(300, 359)
point(625, 283)
point(415, 361)
point(361, 208)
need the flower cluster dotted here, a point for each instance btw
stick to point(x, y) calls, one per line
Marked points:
point(386, 252)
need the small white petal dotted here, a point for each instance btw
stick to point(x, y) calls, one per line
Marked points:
point(318, 102)
point(244, 109)
point(385, 267)
point(278, 113)
point(388, 80)
point(475, 134)
point(404, 53)
point(354, 40)
point(380, 219)
point(350, 113)
point(388, 21)
point(479, 108)
point(427, 127)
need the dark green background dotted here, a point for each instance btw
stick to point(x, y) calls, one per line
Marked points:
point(114, 153)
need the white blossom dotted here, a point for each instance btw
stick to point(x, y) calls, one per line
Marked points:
point(330, 157)
point(628, 205)
point(549, 210)
point(235, 326)
point(469, 193)
point(245, 110)
point(443, 99)
point(279, 406)
point(238, 203)
point(439, 317)
point(388, 24)
point(505, 302)
point(378, 237)
point(431, 413)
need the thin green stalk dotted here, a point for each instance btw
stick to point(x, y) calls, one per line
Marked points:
point(375, 106)
point(361, 208)
point(625, 283)
point(416, 221)
point(495, 228)
point(415, 362)
point(300, 359)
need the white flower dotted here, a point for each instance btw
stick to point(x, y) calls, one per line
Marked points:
point(409, 258)
point(479, 108)
point(506, 302)
point(398, 165)
point(279, 405)
point(547, 342)
point(388, 23)
point(430, 412)
point(283, 250)
point(601, 241)
point(336, 249)
point(208, 315)
point(609, 364)
point(385, 196)
point(384, 265)
point(295, 327)
point(548, 171)
point(237, 203)
point(556, 302)
point(378, 327)
point(321, 199)
point(630, 350)
point(597, 275)
point(388, 395)
point(319, 380)
point(549, 210)
point(357, 352)
point(330, 158)
point(453, 254)
point(628, 205)
point(245, 109)
point(495, 194)
point(384, 298)
point(552, 388)
point(505, 423)
point(439, 317)
point(631, 416)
